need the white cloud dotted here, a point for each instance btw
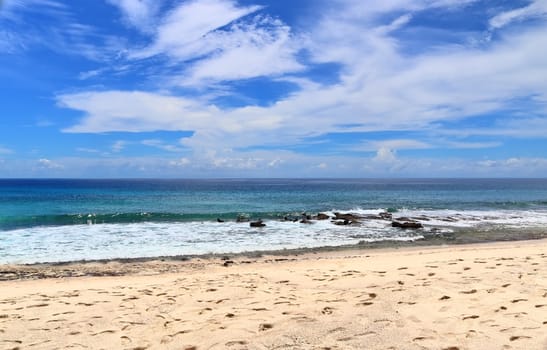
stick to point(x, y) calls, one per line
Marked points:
point(87, 150)
point(119, 146)
point(162, 145)
point(10, 42)
point(258, 164)
point(400, 144)
point(55, 29)
point(138, 13)
point(182, 162)
point(385, 155)
point(382, 87)
point(322, 165)
point(220, 38)
point(537, 8)
point(90, 73)
point(49, 164)
point(179, 34)
point(263, 47)
point(4, 150)
point(471, 145)
point(135, 111)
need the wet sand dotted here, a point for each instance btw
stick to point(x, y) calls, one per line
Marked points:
point(482, 296)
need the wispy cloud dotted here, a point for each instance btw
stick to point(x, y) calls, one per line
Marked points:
point(381, 85)
point(5, 150)
point(219, 38)
point(264, 46)
point(196, 19)
point(537, 9)
point(118, 146)
point(162, 145)
point(138, 13)
point(399, 144)
point(49, 164)
point(87, 150)
point(409, 95)
point(67, 36)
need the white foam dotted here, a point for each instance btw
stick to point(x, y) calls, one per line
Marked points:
point(107, 241)
point(475, 218)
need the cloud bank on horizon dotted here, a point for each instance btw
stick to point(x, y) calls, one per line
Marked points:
point(227, 88)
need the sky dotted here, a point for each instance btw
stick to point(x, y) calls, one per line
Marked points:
point(273, 88)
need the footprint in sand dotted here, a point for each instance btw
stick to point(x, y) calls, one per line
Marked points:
point(236, 342)
point(37, 305)
point(365, 303)
point(327, 310)
point(518, 300)
point(472, 291)
point(472, 317)
point(264, 327)
point(517, 337)
point(421, 338)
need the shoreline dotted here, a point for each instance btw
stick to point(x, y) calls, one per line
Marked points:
point(490, 295)
point(130, 266)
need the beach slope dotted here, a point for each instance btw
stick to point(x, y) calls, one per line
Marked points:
point(484, 296)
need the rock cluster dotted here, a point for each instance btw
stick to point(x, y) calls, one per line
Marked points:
point(342, 219)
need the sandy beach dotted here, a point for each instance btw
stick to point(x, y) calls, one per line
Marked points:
point(482, 296)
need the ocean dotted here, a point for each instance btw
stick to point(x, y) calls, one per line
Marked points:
point(54, 220)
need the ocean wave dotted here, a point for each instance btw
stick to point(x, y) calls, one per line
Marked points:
point(431, 217)
point(177, 235)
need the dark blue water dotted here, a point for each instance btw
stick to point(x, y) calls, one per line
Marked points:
point(55, 220)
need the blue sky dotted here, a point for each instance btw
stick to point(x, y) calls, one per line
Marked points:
point(227, 88)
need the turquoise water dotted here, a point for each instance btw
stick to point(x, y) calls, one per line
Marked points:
point(90, 219)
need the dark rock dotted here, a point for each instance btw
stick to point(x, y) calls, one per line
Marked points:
point(449, 219)
point(227, 263)
point(381, 216)
point(258, 223)
point(385, 215)
point(372, 217)
point(321, 216)
point(305, 221)
point(407, 224)
point(349, 217)
point(291, 218)
point(220, 220)
point(341, 222)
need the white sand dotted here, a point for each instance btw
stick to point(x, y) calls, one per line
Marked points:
point(487, 296)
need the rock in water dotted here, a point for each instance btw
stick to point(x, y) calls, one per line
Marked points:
point(321, 216)
point(342, 222)
point(348, 217)
point(406, 224)
point(258, 223)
